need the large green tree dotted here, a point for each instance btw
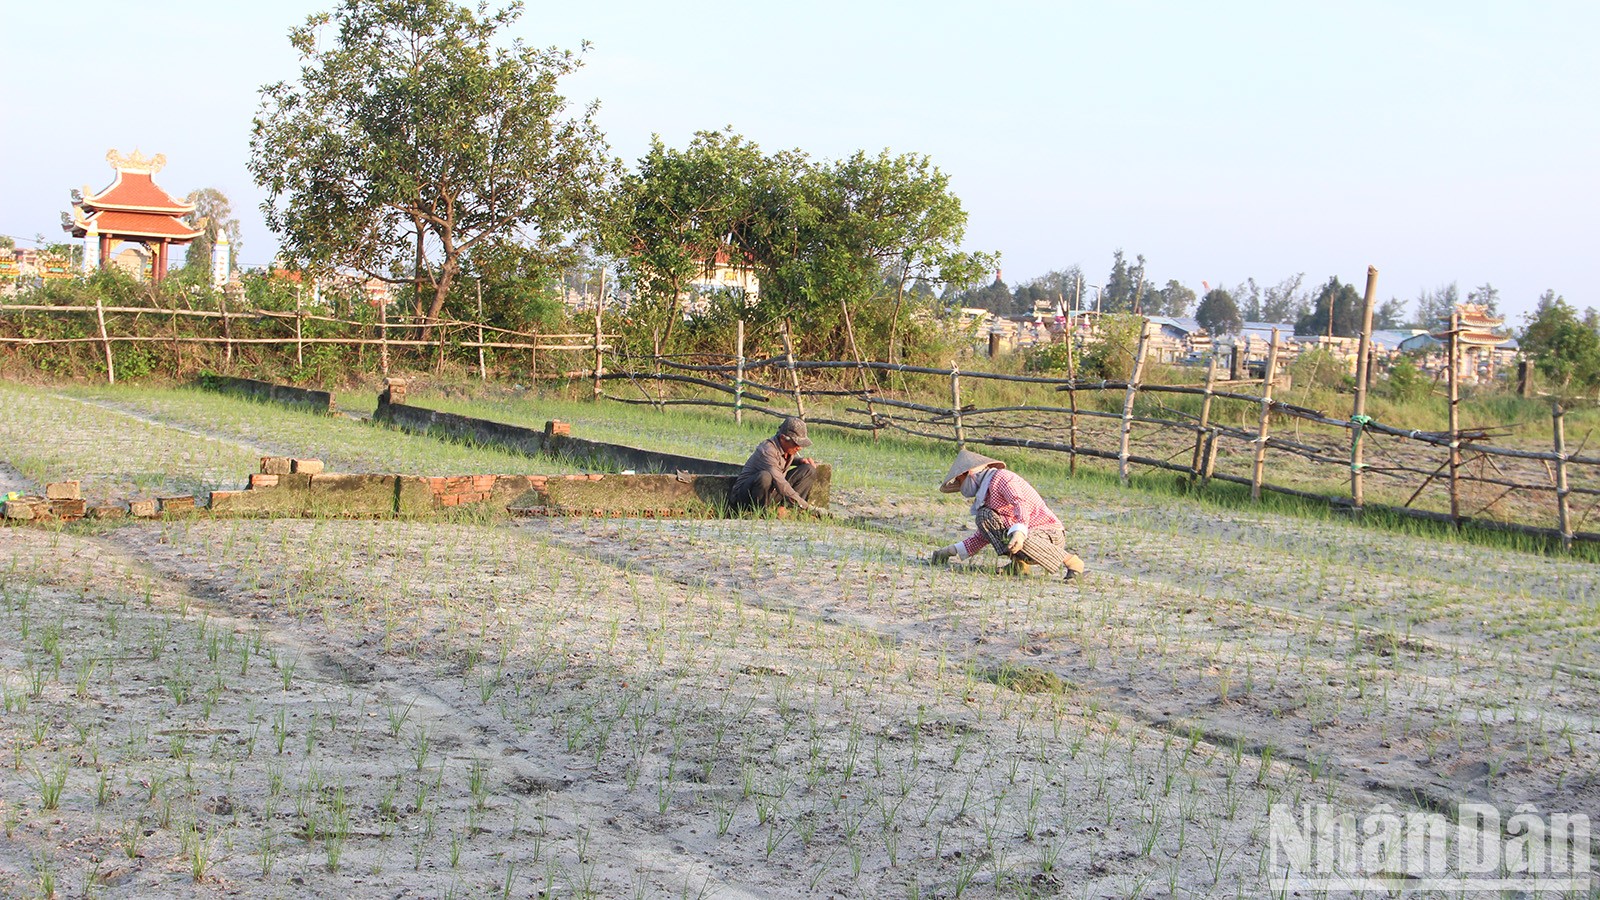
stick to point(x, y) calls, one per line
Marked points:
point(1563, 348)
point(416, 133)
point(682, 210)
point(1434, 307)
point(1218, 314)
point(1390, 313)
point(1125, 287)
point(872, 216)
point(818, 235)
point(1337, 301)
point(212, 210)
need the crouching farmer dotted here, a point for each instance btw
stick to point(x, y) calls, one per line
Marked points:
point(1011, 517)
point(773, 476)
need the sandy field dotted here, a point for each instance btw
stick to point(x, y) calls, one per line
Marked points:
point(487, 707)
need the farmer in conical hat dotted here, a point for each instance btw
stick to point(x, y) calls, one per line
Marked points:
point(776, 474)
point(1011, 517)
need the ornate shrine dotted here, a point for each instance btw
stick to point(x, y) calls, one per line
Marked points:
point(132, 209)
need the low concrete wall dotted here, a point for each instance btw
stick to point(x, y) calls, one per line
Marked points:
point(550, 442)
point(298, 493)
point(267, 392)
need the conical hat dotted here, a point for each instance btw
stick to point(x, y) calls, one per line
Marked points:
point(966, 462)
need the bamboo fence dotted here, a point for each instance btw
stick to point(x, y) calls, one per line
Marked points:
point(948, 419)
point(739, 377)
point(443, 335)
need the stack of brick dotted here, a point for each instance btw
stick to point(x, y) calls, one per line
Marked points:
point(62, 501)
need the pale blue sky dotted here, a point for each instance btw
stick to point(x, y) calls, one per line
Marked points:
point(1438, 141)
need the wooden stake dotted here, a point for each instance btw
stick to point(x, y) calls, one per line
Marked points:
point(1358, 414)
point(177, 347)
point(738, 376)
point(1266, 412)
point(383, 337)
point(955, 406)
point(105, 340)
point(1072, 420)
point(866, 391)
point(483, 371)
point(227, 329)
point(299, 348)
point(599, 367)
point(1203, 436)
point(1127, 401)
point(1558, 429)
point(1210, 464)
point(794, 376)
point(1454, 362)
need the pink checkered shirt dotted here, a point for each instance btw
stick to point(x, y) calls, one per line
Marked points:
point(1014, 500)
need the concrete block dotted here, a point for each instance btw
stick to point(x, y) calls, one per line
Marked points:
point(142, 509)
point(306, 466)
point(413, 496)
point(62, 490)
point(276, 465)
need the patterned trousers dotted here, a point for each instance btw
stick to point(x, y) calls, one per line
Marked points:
point(1044, 547)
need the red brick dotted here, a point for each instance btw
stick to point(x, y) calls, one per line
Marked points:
point(483, 482)
point(306, 466)
point(62, 490)
point(596, 477)
point(276, 465)
point(263, 481)
point(449, 500)
point(68, 509)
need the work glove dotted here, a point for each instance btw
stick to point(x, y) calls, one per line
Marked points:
point(943, 555)
point(1015, 540)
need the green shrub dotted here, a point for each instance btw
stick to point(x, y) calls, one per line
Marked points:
point(1406, 383)
point(1319, 368)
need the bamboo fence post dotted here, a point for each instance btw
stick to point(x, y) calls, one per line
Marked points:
point(177, 346)
point(738, 375)
point(227, 329)
point(1358, 413)
point(1453, 358)
point(850, 332)
point(1209, 465)
point(655, 367)
point(299, 348)
point(794, 376)
point(1127, 401)
point(533, 361)
point(1558, 429)
point(383, 336)
point(105, 341)
point(599, 367)
point(955, 406)
point(1072, 419)
point(1201, 436)
point(1270, 376)
point(483, 371)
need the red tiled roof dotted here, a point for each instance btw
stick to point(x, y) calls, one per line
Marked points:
point(135, 191)
point(137, 225)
